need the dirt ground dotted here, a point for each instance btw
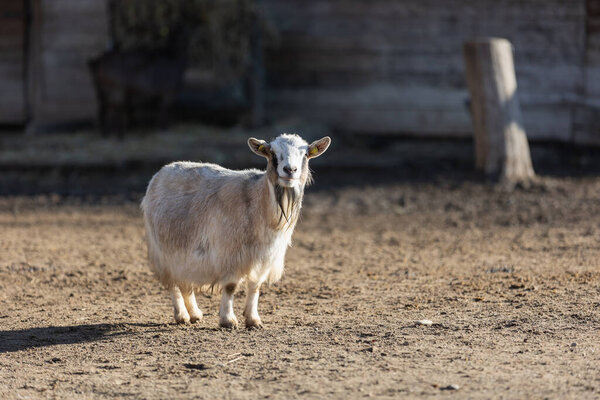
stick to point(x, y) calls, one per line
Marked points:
point(511, 283)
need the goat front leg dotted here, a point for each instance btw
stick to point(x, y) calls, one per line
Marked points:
point(181, 314)
point(251, 309)
point(227, 317)
point(189, 298)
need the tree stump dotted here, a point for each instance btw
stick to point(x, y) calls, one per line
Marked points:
point(501, 148)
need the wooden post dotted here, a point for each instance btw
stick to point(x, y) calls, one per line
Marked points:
point(501, 148)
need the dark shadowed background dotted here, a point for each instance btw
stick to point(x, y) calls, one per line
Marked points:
point(191, 79)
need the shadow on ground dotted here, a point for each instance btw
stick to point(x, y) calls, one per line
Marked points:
point(24, 339)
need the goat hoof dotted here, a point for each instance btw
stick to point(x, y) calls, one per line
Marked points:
point(195, 318)
point(254, 323)
point(228, 323)
point(182, 319)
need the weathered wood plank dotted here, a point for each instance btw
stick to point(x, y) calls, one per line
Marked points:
point(12, 9)
point(61, 9)
point(586, 125)
point(586, 113)
point(11, 87)
point(67, 77)
point(433, 8)
point(66, 33)
point(424, 110)
point(12, 33)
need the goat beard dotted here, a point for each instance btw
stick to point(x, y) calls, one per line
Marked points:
point(288, 199)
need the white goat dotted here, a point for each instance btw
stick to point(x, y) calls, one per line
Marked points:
point(211, 226)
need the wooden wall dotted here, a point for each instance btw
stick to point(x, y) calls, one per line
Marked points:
point(12, 61)
point(374, 66)
point(394, 66)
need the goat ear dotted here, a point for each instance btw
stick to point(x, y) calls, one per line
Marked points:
point(318, 147)
point(259, 147)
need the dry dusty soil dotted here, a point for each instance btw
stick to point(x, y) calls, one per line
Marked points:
point(511, 283)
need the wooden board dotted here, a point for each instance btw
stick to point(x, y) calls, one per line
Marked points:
point(586, 113)
point(65, 35)
point(417, 110)
point(12, 62)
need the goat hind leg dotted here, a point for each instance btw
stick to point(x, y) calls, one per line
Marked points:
point(179, 309)
point(227, 317)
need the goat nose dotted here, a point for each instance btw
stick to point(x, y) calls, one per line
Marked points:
point(288, 170)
